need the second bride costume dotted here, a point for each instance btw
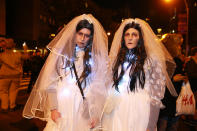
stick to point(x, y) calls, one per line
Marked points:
point(57, 86)
point(140, 74)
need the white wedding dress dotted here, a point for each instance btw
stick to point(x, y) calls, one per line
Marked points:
point(130, 111)
point(70, 101)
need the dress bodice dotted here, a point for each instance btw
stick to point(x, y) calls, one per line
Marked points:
point(154, 81)
point(124, 83)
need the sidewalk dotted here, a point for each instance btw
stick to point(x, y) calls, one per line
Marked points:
point(13, 121)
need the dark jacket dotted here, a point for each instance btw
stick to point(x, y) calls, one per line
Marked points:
point(191, 70)
point(170, 101)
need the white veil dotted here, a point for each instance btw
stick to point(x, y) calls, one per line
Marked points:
point(62, 49)
point(154, 49)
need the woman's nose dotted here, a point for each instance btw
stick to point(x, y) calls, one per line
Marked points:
point(83, 37)
point(130, 37)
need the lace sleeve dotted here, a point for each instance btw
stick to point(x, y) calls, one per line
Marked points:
point(156, 82)
point(51, 90)
point(156, 86)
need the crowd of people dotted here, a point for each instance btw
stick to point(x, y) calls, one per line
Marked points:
point(10, 74)
point(81, 87)
point(184, 71)
point(14, 66)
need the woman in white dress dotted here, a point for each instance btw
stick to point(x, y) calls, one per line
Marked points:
point(138, 63)
point(70, 91)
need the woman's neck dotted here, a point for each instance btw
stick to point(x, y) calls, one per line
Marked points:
point(77, 48)
point(130, 55)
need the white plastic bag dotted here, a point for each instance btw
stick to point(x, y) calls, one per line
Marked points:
point(185, 103)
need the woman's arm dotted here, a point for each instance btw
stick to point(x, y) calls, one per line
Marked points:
point(53, 104)
point(156, 81)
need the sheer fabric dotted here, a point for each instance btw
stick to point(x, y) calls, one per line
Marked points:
point(154, 49)
point(53, 73)
point(142, 105)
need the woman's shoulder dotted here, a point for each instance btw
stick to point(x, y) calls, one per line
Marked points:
point(152, 64)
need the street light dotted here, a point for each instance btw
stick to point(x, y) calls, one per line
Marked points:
point(187, 34)
point(108, 33)
point(173, 18)
point(167, 1)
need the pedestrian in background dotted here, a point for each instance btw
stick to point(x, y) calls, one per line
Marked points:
point(10, 73)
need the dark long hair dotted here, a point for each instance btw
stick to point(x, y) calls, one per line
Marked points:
point(137, 70)
point(87, 67)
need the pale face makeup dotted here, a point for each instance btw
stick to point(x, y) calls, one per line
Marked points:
point(82, 37)
point(131, 38)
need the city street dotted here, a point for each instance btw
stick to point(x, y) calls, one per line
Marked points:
point(13, 121)
point(133, 62)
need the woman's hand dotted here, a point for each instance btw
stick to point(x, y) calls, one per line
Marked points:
point(93, 123)
point(55, 115)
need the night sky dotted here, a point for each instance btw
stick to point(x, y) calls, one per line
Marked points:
point(109, 13)
point(106, 11)
point(157, 11)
